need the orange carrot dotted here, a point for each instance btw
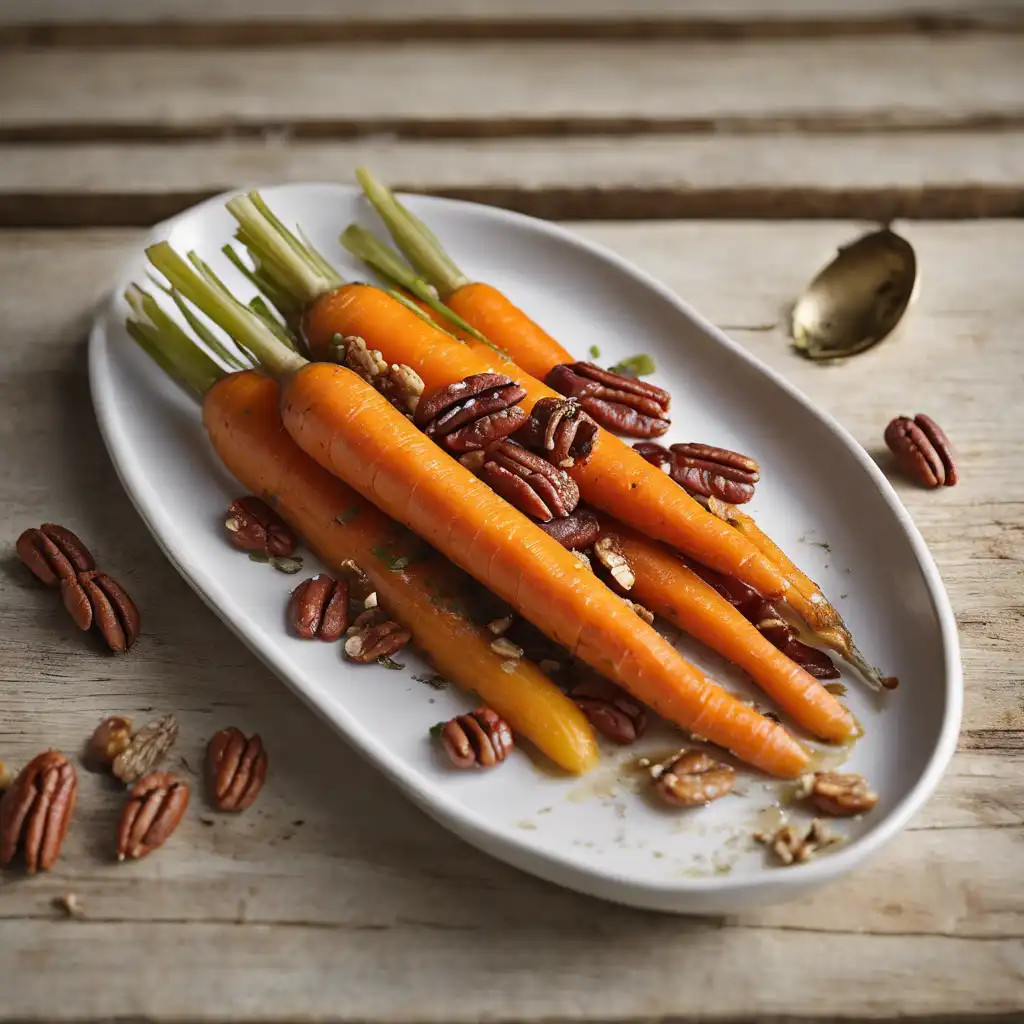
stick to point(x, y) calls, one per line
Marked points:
point(355, 433)
point(672, 590)
point(429, 596)
point(615, 478)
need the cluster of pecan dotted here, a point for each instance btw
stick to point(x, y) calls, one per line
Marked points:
point(37, 806)
point(58, 558)
point(401, 385)
point(620, 404)
point(755, 609)
point(704, 470)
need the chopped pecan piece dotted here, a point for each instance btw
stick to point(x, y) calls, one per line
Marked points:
point(318, 608)
point(146, 749)
point(94, 599)
point(255, 526)
point(609, 709)
point(839, 794)
point(53, 553)
point(403, 387)
point(367, 643)
point(692, 778)
point(561, 430)
point(576, 531)
point(529, 482)
point(481, 739)
point(618, 403)
point(353, 352)
point(791, 846)
point(705, 470)
point(611, 556)
point(472, 413)
point(109, 739)
point(36, 811)
point(922, 450)
point(155, 807)
point(236, 769)
point(644, 613)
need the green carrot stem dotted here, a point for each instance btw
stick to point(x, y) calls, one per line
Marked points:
point(169, 345)
point(417, 242)
point(201, 287)
point(364, 245)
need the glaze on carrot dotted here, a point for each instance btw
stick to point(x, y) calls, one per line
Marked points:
point(675, 592)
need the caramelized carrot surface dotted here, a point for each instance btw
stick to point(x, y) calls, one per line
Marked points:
point(353, 432)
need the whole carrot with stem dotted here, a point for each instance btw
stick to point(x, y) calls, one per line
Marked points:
point(438, 283)
point(428, 595)
point(356, 434)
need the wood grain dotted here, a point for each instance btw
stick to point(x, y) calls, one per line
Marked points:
point(314, 904)
point(871, 177)
point(552, 88)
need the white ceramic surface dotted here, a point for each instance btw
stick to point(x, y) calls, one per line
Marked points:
point(821, 498)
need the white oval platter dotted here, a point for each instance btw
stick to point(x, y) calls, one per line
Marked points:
point(821, 497)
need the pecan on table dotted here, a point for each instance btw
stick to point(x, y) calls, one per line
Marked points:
point(560, 430)
point(155, 807)
point(922, 450)
point(318, 608)
point(480, 739)
point(623, 405)
point(529, 482)
point(472, 413)
point(609, 709)
point(94, 599)
point(839, 794)
point(692, 778)
point(255, 526)
point(109, 739)
point(578, 531)
point(370, 640)
point(760, 613)
point(146, 749)
point(53, 553)
point(236, 769)
point(36, 811)
point(704, 470)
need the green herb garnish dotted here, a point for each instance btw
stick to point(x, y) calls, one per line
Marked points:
point(595, 352)
point(635, 366)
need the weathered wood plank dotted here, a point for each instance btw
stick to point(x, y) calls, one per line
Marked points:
point(531, 88)
point(312, 904)
point(873, 177)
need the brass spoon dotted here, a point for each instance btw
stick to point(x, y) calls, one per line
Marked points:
point(858, 299)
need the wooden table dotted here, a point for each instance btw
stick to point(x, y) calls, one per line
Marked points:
point(728, 147)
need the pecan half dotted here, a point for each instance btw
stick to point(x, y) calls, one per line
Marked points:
point(705, 470)
point(529, 482)
point(255, 526)
point(561, 430)
point(578, 530)
point(236, 769)
point(756, 610)
point(611, 556)
point(368, 642)
point(36, 811)
point(481, 739)
point(472, 413)
point(94, 599)
point(146, 749)
point(318, 608)
point(840, 794)
point(692, 778)
point(922, 450)
point(155, 807)
point(609, 709)
point(53, 553)
point(623, 405)
point(110, 738)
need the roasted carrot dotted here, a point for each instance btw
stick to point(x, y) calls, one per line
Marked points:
point(529, 346)
point(429, 596)
point(355, 433)
point(672, 590)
